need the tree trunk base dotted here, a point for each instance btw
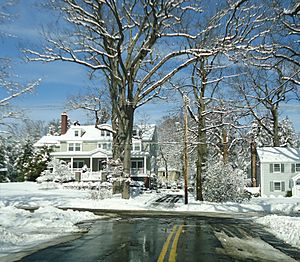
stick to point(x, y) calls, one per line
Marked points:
point(126, 189)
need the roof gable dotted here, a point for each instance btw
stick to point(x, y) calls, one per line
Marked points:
point(278, 154)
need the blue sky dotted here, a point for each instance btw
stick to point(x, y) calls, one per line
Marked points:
point(58, 80)
point(61, 80)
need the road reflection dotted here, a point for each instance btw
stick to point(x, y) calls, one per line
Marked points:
point(170, 239)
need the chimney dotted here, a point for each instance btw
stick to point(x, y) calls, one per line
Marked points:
point(64, 123)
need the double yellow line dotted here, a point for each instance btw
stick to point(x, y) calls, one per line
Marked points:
point(173, 251)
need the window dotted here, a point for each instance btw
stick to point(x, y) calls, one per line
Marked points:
point(107, 133)
point(102, 133)
point(137, 164)
point(295, 167)
point(105, 146)
point(71, 147)
point(277, 168)
point(78, 163)
point(74, 147)
point(76, 132)
point(277, 186)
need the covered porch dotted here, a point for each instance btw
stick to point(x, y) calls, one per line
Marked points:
point(86, 166)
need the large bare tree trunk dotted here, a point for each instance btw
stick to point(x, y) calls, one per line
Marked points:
point(275, 119)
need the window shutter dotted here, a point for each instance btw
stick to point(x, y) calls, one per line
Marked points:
point(282, 168)
point(271, 186)
point(293, 168)
point(282, 186)
point(290, 183)
point(271, 168)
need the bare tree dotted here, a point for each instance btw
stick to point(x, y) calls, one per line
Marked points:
point(139, 46)
point(127, 43)
point(94, 103)
point(10, 88)
point(263, 91)
point(237, 30)
point(287, 44)
point(170, 144)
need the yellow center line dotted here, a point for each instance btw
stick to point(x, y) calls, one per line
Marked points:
point(166, 245)
point(173, 252)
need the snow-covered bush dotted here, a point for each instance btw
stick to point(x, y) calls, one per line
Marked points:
point(222, 184)
point(57, 171)
point(104, 191)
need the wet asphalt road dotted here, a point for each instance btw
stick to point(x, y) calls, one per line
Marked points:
point(171, 239)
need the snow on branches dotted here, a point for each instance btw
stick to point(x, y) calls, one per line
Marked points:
point(222, 183)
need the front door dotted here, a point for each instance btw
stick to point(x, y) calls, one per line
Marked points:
point(296, 191)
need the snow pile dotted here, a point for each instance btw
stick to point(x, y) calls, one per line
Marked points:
point(21, 229)
point(284, 227)
point(278, 205)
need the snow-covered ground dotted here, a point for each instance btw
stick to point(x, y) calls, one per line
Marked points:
point(21, 229)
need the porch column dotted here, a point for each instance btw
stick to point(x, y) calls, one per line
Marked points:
point(91, 164)
point(72, 163)
point(145, 165)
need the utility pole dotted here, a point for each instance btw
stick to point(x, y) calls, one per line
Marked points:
point(185, 154)
point(253, 163)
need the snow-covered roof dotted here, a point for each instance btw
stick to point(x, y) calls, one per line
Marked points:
point(278, 154)
point(47, 141)
point(91, 133)
point(148, 131)
point(88, 133)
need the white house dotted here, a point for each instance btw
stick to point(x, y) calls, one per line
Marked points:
point(278, 171)
point(90, 147)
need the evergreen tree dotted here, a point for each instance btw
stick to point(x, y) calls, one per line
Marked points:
point(38, 163)
point(24, 160)
point(286, 134)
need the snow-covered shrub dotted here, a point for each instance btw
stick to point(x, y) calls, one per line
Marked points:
point(222, 184)
point(58, 171)
point(104, 191)
point(48, 185)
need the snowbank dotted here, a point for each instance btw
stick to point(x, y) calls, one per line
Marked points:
point(284, 227)
point(20, 229)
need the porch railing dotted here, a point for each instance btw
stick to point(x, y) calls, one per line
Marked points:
point(90, 176)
